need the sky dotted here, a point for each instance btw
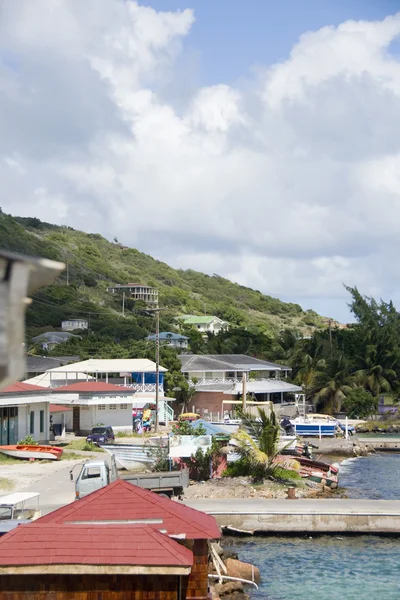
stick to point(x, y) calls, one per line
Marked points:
point(257, 140)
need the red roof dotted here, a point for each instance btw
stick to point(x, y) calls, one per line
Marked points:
point(92, 386)
point(122, 501)
point(54, 408)
point(55, 544)
point(23, 387)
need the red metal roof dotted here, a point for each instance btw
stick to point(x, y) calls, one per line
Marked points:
point(54, 408)
point(92, 386)
point(122, 501)
point(57, 544)
point(23, 387)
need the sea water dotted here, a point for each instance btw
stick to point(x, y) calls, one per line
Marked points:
point(333, 567)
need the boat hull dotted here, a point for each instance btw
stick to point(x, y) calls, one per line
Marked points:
point(32, 452)
point(314, 429)
point(132, 458)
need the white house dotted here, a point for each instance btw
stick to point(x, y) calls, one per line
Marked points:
point(205, 323)
point(95, 403)
point(72, 324)
point(24, 410)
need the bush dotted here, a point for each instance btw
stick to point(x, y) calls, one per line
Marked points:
point(360, 404)
point(185, 428)
point(28, 441)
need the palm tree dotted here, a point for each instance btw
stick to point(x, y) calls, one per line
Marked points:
point(332, 383)
point(374, 377)
point(258, 442)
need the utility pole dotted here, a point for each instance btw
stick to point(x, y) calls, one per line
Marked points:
point(330, 336)
point(67, 264)
point(157, 366)
point(123, 304)
point(244, 392)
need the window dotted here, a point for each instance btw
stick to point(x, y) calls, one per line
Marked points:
point(32, 422)
point(91, 473)
point(84, 407)
point(101, 407)
point(113, 407)
point(123, 406)
point(41, 421)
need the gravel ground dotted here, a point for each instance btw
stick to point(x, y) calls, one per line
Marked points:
point(23, 474)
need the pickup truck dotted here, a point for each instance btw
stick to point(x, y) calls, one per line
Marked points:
point(97, 473)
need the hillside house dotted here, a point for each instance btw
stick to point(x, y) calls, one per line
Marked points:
point(167, 338)
point(218, 380)
point(24, 410)
point(205, 324)
point(72, 324)
point(139, 374)
point(37, 365)
point(120, 542)
point(94, 403)
point(51, 339)
point(136, 291)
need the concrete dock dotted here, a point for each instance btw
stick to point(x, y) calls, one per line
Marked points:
point(382, 444)
point(303, 516)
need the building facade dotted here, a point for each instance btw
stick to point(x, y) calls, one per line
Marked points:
point(137, 291)
point(72, 324)
point(167, 338)
point(24, 410)
point(205, 323)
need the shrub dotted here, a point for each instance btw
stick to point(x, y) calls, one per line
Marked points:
point(360, 404)
point(28, 441)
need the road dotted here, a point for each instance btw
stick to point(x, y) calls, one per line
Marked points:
point(55, 490)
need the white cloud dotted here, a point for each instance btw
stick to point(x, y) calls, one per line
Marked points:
point(291, 186)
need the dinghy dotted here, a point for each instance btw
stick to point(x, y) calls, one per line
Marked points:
point(32, 452)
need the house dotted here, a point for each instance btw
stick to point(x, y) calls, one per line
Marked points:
point(73, 324)
point(205, 324)
point(37, 365)
point(218, 381)
point(94, 403)
point(51, 339)
point(167, 338)
point(120, 542)
point(136, 291)
point(139, 374)
point(24, 410)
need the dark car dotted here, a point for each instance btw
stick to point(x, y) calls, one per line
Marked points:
point(101, 435)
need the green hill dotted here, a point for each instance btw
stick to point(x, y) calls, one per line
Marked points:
point(95, 263)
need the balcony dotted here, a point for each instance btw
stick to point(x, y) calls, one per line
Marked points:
point(144, 387)
point(209, 381)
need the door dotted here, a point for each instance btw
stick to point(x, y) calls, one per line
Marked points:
point(9, 425)
point(76, 419)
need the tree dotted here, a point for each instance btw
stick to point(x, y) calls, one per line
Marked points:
point(332, 383)
point(258, 442)
point(374, 377)
point(360, 404)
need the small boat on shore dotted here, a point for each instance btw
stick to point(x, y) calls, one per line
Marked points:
point(132, 457)
point(318, 471)
point(37, 452)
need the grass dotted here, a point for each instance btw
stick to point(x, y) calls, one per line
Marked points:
point(6, 485)
point(124, 434)
point(82, 446)
point(8, 460)
point(371, 425)
point(71, 456)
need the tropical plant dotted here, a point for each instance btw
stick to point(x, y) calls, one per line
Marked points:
point(360, 404)
point(258, 442)
point(28, 441)
point(332, 383)
point(374, 377)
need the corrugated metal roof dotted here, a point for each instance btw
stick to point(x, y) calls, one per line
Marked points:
point(123, 501)
point(123, 544)
point(167, 335)
point(227, 362)
point(204, 319)
point(21, 387)
point(94, 386)
point(111, 365)
point(40, 364)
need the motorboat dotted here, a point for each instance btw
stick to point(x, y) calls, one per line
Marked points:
point(311, 425)
point(133, 457)
point(35, 452)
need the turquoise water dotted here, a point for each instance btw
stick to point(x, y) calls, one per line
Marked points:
point(333, 567)
point(324, 568)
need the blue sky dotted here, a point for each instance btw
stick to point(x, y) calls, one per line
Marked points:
point(230, 37)
point(200, 140)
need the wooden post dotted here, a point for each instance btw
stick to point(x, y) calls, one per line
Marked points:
point(244, 392)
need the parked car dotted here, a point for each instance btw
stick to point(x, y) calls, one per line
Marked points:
point(101, 435)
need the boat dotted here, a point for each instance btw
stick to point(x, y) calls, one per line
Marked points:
point(27, 451)
point(318, 471)
point(133, 457)
point(310, 426)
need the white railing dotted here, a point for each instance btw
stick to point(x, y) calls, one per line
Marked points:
point(208, 381)
point(143, 387)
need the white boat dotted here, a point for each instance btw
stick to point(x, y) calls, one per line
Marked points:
point(132, 458)
point(310, 426)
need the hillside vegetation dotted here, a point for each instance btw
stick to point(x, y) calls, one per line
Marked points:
point(94, 263)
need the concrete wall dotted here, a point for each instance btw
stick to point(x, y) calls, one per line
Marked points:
point(211, 401)
point(119, 418)
point(58, 419)
point(24, 421)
